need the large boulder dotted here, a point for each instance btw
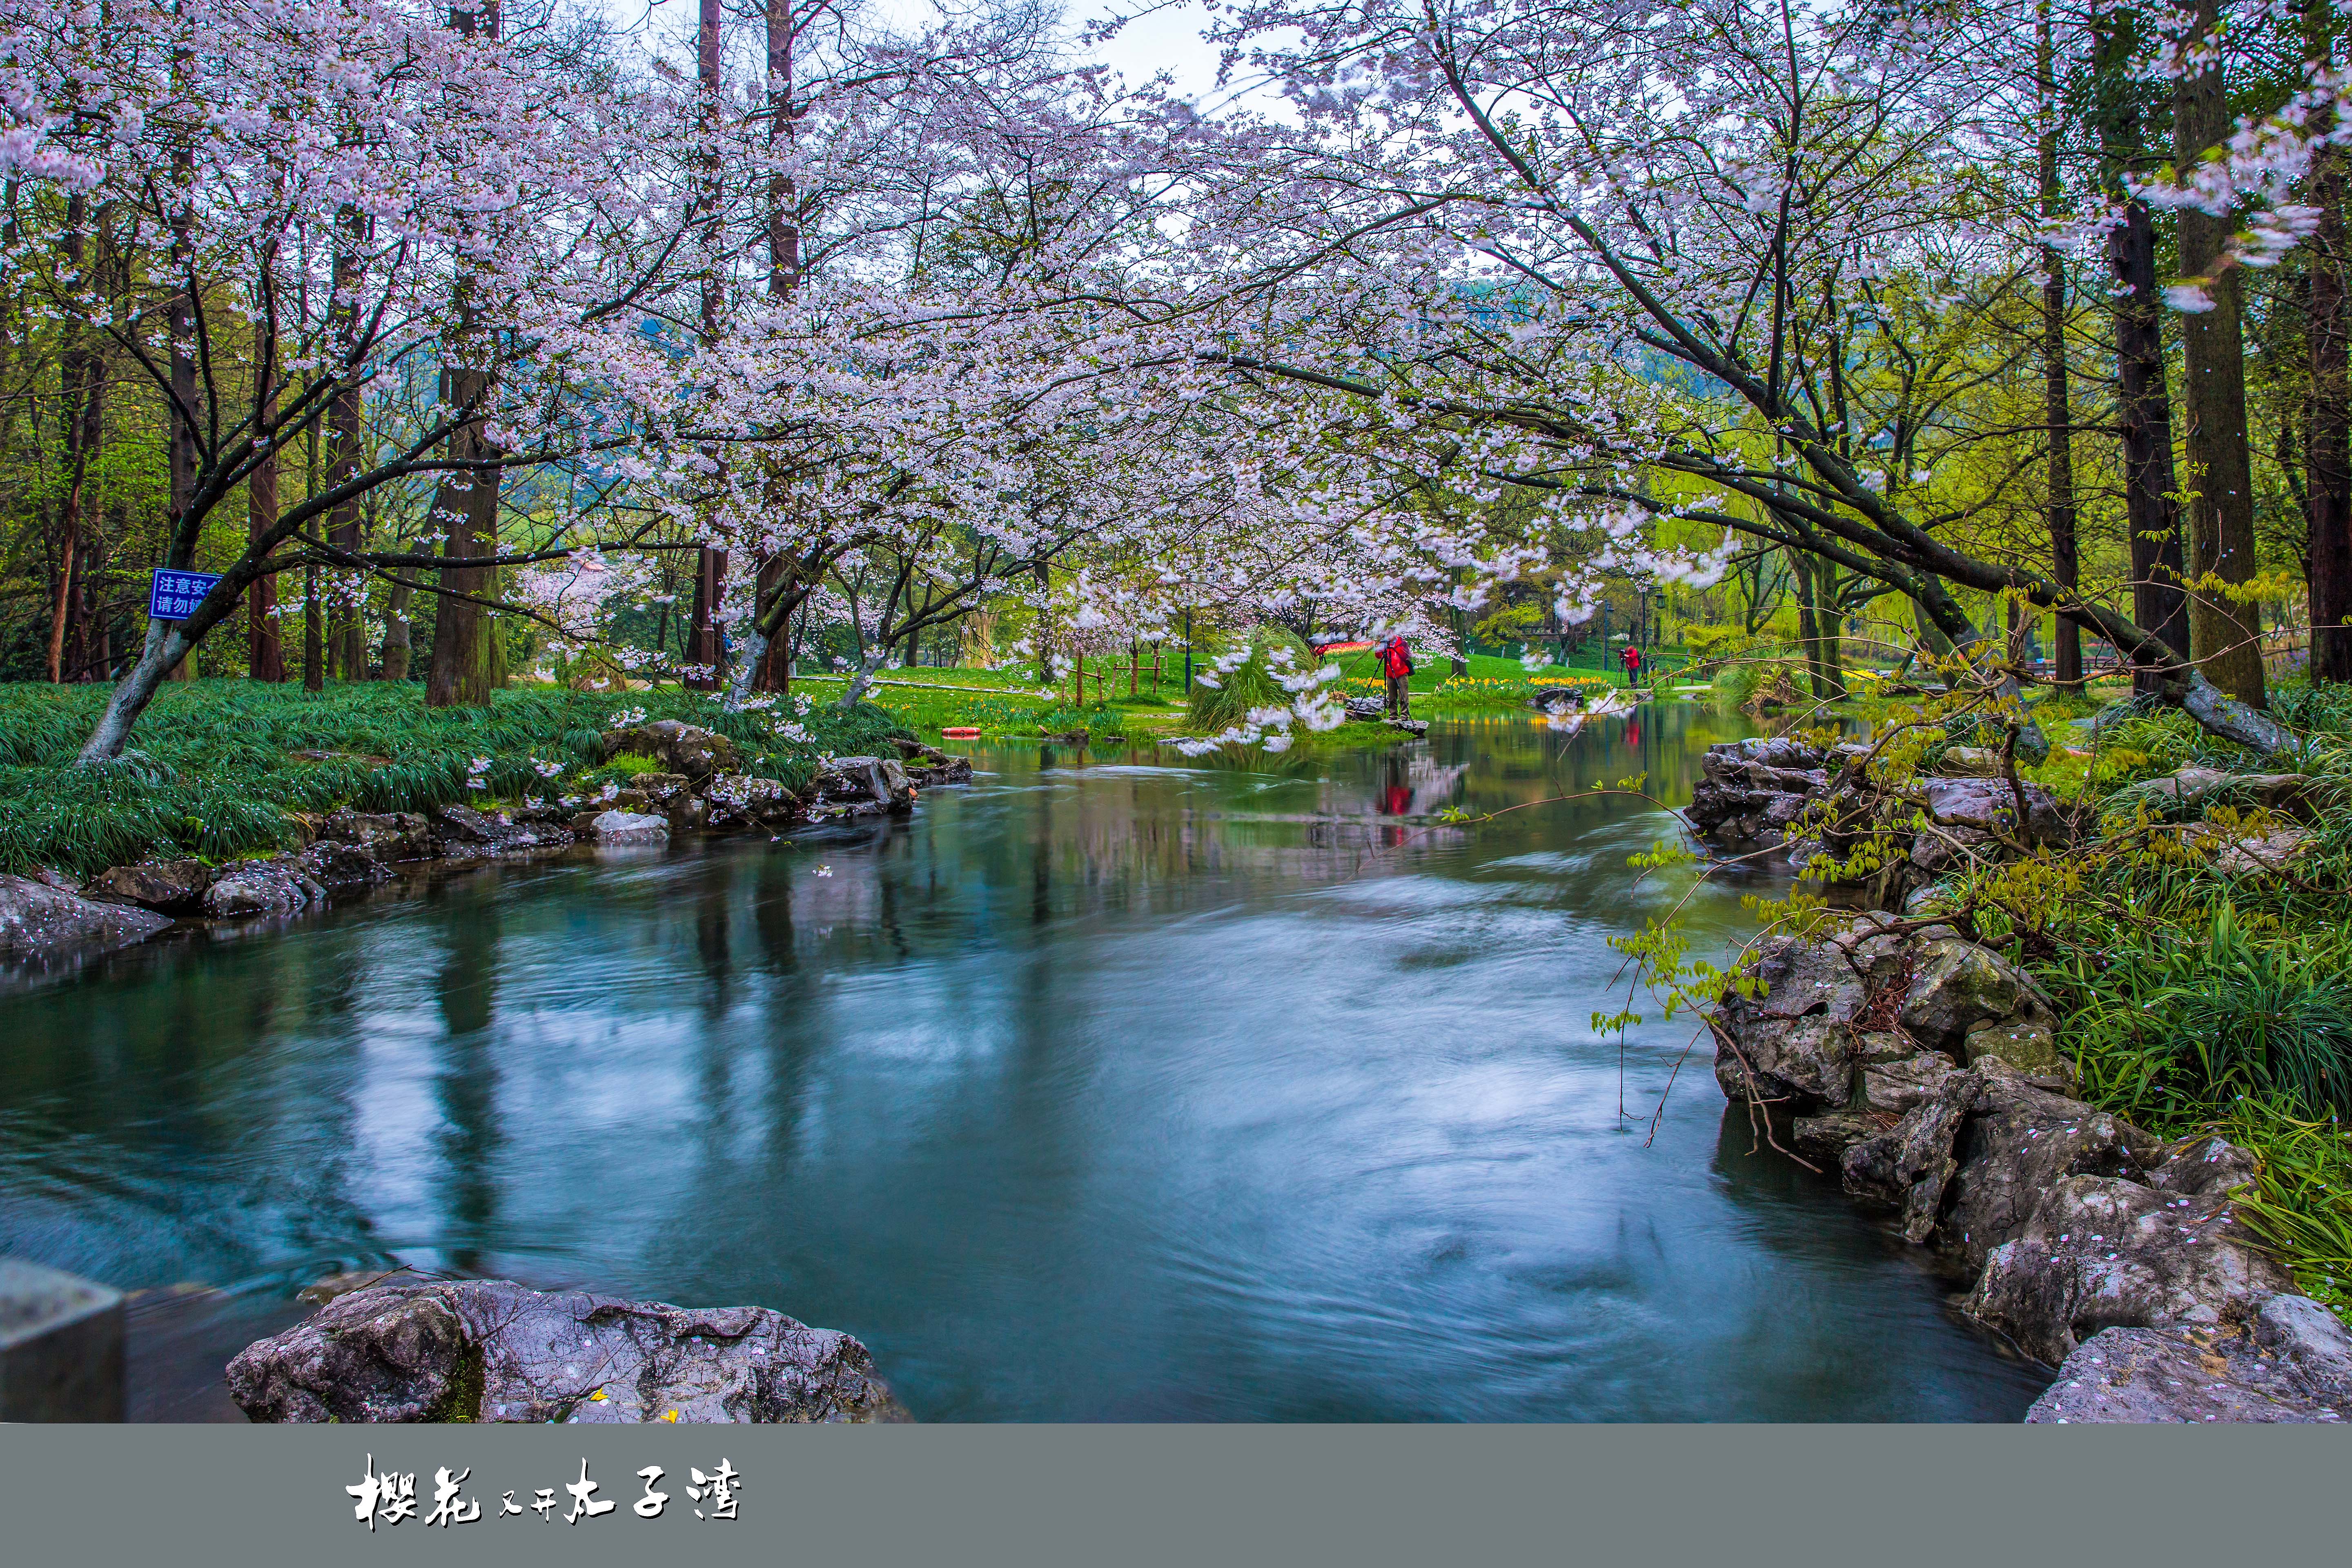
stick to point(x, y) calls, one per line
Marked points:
point(280, 885)
point(489, 1351)
point(2102, 1253)
point(681, 748)
point(739, 799)
point(461, 833)
point(618, 827)
point(857, 786)
point(166, 887)
point(927, 765)
point(43, 923)
point(2020, 1141)
point(1910, 1165)
point(387, 838)
point(2291, 1362)
point(1748, 791)
point(1967, 1000)
point(1843, 1020)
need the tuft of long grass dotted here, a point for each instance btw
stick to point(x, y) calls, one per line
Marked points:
point(222, 763)
point(2300, 1204)
point(2172, 1030)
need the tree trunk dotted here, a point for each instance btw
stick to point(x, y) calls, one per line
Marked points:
point(2328, 497)
point(347, 638)
point(180, 322)
point(314, 652)
point(265, 646)
point(2143, 403)
point(2064, 567)
point(396, 629)
point(1816, 619)
point(2225, 637)
point(873, 661)
point(466, 508)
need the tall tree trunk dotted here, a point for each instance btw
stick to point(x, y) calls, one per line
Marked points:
point(2224, 635)
point(2065, 565)
point(1817, 626)
point(346, 636)
point(466, 508)
point(180, 319)
point(2143, 403)
point(463, 670)
point(314, 650)
point(703, 650)
point(396, 629)
point(265, 646)
point(2328, 497)
point(82, 378)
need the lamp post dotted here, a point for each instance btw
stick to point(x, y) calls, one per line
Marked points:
point(1188, 654)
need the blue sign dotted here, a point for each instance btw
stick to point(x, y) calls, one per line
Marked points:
point(174, 595)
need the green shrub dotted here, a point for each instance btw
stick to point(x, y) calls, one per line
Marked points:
point(1226, 705)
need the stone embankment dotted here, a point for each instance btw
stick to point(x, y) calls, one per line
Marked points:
point(1924, 1071)
point(402, 1348)
point(1816, 803)
point(48, 922)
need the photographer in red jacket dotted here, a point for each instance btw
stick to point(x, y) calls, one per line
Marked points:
point(1397, 665)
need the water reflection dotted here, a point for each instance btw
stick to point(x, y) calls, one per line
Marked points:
point(1107, 1089)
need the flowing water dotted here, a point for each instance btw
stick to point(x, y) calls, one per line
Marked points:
point(1104, 1090)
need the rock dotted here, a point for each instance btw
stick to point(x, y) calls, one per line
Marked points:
point(2193, 1376)
point(2104, 1253)
point(167, 886)
point(682, 748)
point(1369, 708)
point(49, 925)
point(1750, 790)
point(1409, 726)
point(2020, 1142)
point(387, 838)
point(662, 791)
point(1969, 762)
point(2311, 1344)
point(739, 798)
point(1898, 1087)
point(2205, 1164)
point(1985, 805)
point(488, 1350)
point(281, 885)
point(946, 770)
point(613, 828)
point(1910, 1165)
point(1863, 996)
point(878, 780)
point(2259, 852)
point(340, 868)
point(1965, 1001)
point(2194, 788)
point(1826, 1138)
point(461, 833)
point(911, 751)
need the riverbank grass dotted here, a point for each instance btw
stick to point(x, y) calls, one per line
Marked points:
point(218, 766)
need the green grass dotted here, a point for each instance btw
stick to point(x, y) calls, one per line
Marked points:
point(2189, 1000)
point(218, 764)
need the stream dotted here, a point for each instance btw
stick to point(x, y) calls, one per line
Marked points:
point(1106, 1089)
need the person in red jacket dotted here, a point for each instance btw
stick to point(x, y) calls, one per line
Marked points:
point(1397, 665)
point(1632, 658)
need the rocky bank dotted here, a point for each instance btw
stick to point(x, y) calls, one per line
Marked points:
point(48, 922)
point(1923, 1070)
